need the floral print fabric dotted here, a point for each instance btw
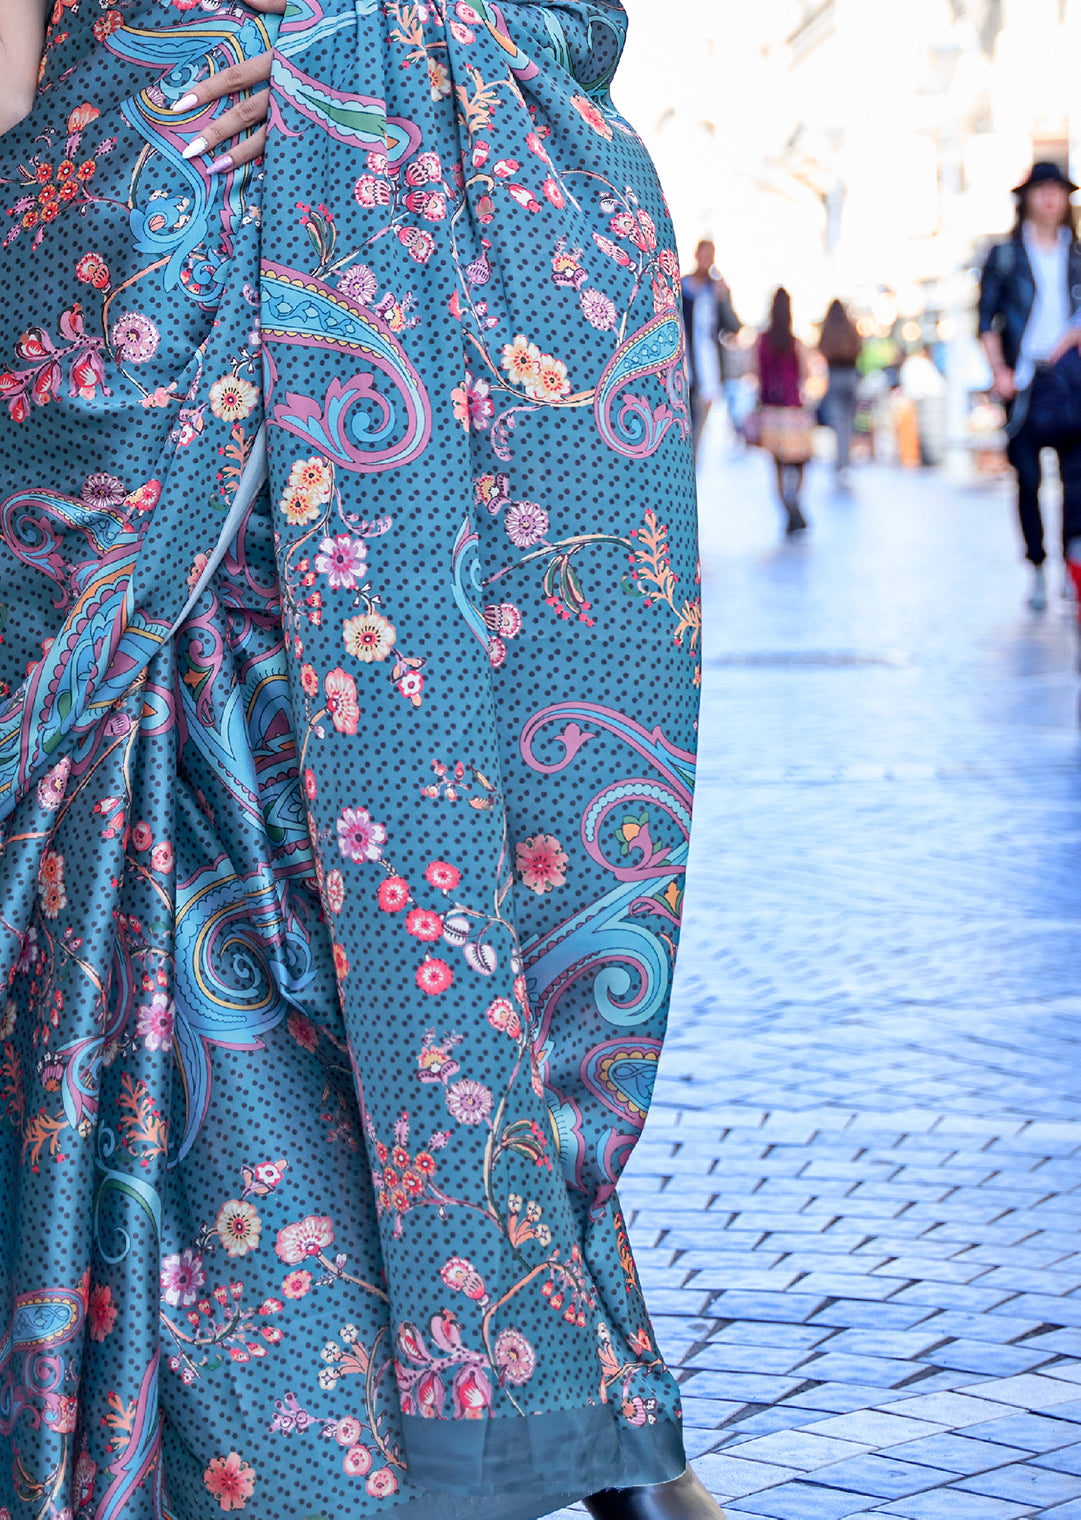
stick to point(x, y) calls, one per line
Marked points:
point(347, 722)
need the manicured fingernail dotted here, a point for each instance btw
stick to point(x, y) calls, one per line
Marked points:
point(195, 147)
point(185, 102)
point(221, 164)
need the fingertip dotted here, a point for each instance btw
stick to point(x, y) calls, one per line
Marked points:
point(186, 103)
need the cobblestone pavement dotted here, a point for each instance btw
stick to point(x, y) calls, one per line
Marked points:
point(857, 1200)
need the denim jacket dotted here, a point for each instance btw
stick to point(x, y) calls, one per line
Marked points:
point(1008, 293)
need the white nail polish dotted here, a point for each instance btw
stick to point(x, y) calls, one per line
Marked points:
point(194, 148)
point(185, 102)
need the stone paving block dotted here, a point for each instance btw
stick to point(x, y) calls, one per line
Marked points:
point(1026, 1484)
point(942, 1295)
point(797, 1448)
point(948, 1409)
point(836, 1398)
point(1051, 1311)
point(981, 1356)
point(707, 1414)
point(883, 1477)
point(689, 1302)
point(999, 1327)
point(805, 1501)
point(1070, 1511)
point(741, 1387)
point(847, 1285)
point(876, 1371)
point(892, 1316)
point(765, 1421)
point(935, 1270)
point(1031, 1432)
point(732, 1477)
point(909, 1344)
point(1063, 1342)
point(787, 1308)
point(755, 1333)
point(956, 1454)
point(721, 1356)
point(951, 1504)
point(847, 1206)
point(877, 1428)
point(1065, 1459)
point(1023, 1279)
point(1028, 1391)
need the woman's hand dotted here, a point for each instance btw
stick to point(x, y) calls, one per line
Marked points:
point(247, 117)
point(1072, 339)
point(22, 37)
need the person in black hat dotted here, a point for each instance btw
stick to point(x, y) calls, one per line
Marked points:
point(1030, 300)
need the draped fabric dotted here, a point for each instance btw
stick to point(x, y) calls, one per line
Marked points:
point(349, 663)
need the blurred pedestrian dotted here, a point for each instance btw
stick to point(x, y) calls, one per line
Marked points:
point(1030, 297)
point(708, 316)
point(785, 428)
point(840, 345)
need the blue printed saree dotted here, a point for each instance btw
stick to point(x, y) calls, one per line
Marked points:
point(347, 717)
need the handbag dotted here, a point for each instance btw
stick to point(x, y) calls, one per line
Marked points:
point(1054, 402)
point(788, 433)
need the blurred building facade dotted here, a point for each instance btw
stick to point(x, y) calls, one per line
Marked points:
point(856, 147)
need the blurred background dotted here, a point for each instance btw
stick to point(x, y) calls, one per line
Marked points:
point(856, 1204)
point(861, 149)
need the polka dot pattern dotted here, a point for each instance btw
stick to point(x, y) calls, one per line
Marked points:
point(347, 737)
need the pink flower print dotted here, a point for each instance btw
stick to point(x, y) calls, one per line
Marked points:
point(335, 891)
point(514, 1357)
point(370, 192)
point(52, 786)
point(442, 876)
point(424, 925)
point(341, 692)
point(393, 894)
point(101, 1311)
point(230, 1480)
point(297, 1284)
point(598, 309)
point(141, 837)
point(461, 1276)
point(360, 285)
point(359, 839)
point(421, 245)
point(469, 1102)
point(434, 976)
point(342, 560)
point(425, 169)
point(554, 194)
point(589, 112)
point(542, 863)
point(472, 1394)
point(86, 1472)
point(503, 1015)
point(357, 1461)
point(303, 1031)
point(182, 1278)
point(161, 857)
point(63, 1414)
point(238, 1226)
point(135, 338)
point(526, 523)
point(349, 1431)
point(296, 1242)
point(102, 491)
point(154, 1024)
point(383, 1483)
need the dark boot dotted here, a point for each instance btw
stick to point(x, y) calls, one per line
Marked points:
point(682, 1499)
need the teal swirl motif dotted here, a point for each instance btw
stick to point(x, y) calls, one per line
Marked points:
point(358, 424)
point(639, 429)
